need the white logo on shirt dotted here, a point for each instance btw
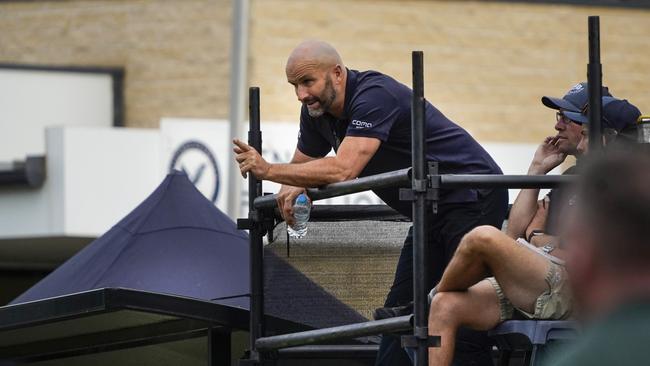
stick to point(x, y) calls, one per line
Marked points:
point(361, 124)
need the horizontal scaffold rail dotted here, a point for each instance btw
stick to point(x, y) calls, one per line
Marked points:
point(401, 178)
point(503, 181)
point(397, 178)
point(398, 324)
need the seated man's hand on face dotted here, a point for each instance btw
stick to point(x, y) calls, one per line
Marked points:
point(250, 160)
point(547, 156)
point(285, 198)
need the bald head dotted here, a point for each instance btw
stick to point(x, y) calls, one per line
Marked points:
point(318, 76)
point(314, 52)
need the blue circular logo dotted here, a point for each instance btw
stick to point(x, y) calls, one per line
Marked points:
point(197, 161)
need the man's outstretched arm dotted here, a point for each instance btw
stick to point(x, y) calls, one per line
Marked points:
point(352, 156)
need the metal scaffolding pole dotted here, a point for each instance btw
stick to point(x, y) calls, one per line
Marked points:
point(595, 79)
point(502, 181)
point(397, 324)
point(397, 178)
point(419, 187)
point(238, 82)
point(256, 231)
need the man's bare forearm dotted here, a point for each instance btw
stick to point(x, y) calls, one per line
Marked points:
point(525, 206)
point(522, 213)
point(314, 173)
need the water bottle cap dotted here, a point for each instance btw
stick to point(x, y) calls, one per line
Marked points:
point(302, 199)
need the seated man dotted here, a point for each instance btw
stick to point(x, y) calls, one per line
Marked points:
point(503, 277)
point(530, 218)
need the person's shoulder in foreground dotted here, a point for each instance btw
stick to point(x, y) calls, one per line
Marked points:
point(622, 339)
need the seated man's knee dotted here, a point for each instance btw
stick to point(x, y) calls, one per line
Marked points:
point(443, 309)
point(478, 240)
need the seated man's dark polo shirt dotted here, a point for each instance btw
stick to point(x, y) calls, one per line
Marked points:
point(378, 106)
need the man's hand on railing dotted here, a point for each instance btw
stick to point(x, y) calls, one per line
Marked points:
point(250, 160)
point(285, 198)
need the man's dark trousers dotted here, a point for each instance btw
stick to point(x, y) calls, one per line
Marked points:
point(444, 233)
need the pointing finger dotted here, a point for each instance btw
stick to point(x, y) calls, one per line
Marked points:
point(242, 145)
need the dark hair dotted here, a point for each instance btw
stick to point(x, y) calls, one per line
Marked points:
point(614, 200)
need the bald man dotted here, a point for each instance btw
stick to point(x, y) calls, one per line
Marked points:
point(366, 118)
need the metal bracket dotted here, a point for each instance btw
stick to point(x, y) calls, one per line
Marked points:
point(420, 185)
point(408, 194)
point(244, 224)
point(262, 220)
point(421, 332)
point(411, 341)
point(268, 220)
point(430, 187)
point(250, 222)
point(434, 184)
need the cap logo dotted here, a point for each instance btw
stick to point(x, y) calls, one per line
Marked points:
point(576, 89)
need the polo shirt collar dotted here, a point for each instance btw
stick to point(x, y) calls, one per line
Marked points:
point(350, 88)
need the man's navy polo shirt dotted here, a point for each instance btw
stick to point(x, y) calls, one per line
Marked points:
point(378, 106)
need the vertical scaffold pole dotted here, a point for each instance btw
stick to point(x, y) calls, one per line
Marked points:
point(255, 233)
point(595, 79)
point(419, 185)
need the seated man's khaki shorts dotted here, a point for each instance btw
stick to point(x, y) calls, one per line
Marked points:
point(555, 303)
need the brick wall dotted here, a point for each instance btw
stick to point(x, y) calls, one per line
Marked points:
point(487, 64)
point(175, 53)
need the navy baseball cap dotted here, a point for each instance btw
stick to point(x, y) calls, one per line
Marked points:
point(617, 114)
point(574, 100)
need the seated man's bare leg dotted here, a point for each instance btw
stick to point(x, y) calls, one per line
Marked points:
point(450, 310)
point(486, 251)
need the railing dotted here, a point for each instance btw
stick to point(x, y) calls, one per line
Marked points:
point(421, 184)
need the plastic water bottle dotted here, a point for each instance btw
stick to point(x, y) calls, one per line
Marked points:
point(301, 210)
